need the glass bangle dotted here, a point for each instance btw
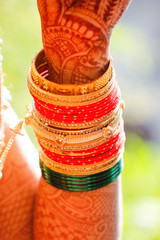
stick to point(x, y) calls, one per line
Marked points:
point(81, 183)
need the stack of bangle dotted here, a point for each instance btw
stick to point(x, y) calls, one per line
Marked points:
point(79, 128)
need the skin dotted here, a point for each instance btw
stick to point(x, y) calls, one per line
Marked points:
point(90, 215)
point(76, 37)
point(18, 185)
point(20, 177)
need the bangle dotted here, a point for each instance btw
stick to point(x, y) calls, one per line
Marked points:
point(82, 160)
point(39, 74)
point(75, 100)
point(70, 160)
point(59, 137)
point(79, 128)
point(80, 114)
point(90, 152)
point(54, 147)
point(81, 183)
point(60, 143)
point(46, 123)
point(78, 103)
point(80, 169)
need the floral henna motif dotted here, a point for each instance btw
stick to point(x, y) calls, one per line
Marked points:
point(77, 215)
point(76, 36)
point(17, 190)
point(72, 54)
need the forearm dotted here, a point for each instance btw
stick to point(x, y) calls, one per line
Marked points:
point(18, 185)
point(76, 39)
point(87, 215)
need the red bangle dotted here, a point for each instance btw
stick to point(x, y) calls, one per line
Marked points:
point(75, 109)
point(106, 155)
point(85, 155)
point(79, 114)
point(92, 152)
point(85, 107)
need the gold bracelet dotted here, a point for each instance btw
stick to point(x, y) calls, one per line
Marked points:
point(65, 89)
point(61, 145)
point(76, 100)
point(50, 146)
point(76, 136)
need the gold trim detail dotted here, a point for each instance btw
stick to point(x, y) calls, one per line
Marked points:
point(39, 61)
point(81, 169)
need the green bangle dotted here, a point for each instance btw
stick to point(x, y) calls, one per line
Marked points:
point(80, 182)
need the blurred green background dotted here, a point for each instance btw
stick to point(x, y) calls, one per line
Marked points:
point(136, 57)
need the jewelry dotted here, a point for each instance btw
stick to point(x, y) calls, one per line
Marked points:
point(81, 114)
point(80, 169)
point(81, 183)
point(76, 100)
point(47, 131)
point(16, 130)
point(94, 123)
point(39, 74)
point(79, 128)
point(80, 160)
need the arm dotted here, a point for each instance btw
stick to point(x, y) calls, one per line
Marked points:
point(76, 37)
point(18, 185)
point(19, 180)
point(90, 215)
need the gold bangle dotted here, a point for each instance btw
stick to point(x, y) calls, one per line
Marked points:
point(76, 100)
point(65, 89)
point(83, 169)
point(61, 145)
point(50, 146)
point(77, 136)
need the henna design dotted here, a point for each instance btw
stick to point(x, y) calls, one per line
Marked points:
point(76, 36)
point(77, 215)
point(17, 190)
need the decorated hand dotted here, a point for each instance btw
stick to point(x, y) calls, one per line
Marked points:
point(76, 36)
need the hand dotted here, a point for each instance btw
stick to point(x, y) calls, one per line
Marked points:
point(76, 36)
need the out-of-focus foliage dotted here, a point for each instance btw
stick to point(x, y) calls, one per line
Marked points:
point(20, 31)
point(141, 191)
point(21, 34)
point(135, 47)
